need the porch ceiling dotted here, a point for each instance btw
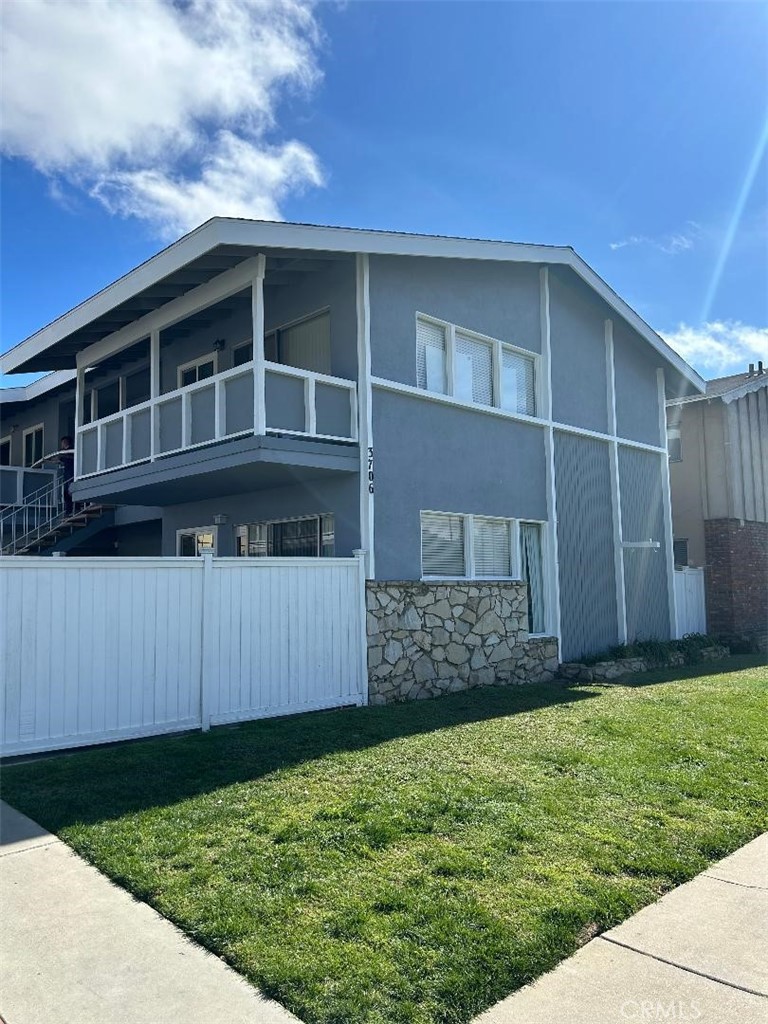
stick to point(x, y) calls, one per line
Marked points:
point(282, 265)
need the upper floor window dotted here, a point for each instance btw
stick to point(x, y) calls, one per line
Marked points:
point(197, 369)
point(305, 344)
point(453, 361)
point(674, 444)
point(242, 354)
point(33, 445)
point(5, 451)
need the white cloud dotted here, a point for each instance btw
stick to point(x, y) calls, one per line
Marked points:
point(671, 244)
point(160, 110)
point(720, 347)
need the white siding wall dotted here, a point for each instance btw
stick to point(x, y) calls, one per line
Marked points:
point(102, 649)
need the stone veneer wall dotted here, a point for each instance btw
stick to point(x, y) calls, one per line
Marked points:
point(425, 639)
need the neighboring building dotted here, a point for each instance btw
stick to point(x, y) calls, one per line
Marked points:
point(459, 409)
point(718, 462)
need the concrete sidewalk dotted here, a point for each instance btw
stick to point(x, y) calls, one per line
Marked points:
point(74, 947)
point(699, 954)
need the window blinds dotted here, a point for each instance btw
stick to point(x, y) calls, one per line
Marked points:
point(307, 345)
point(430, 356)
point(492, 551)
point(518, 389)
point(442, 545)
point(473, 370)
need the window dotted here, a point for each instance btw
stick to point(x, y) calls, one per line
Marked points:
point(305, 344)
point(518, 386)
point(674, 444)
point(442, 545)
point(473, 370)
point(430, 356)
point(457, 362)
point(492, 547)
point(199, 540)
point(680, 548)
point(197, 369)
point(305, 537)
point(5, 451)
point(137, 387)
point(242, 354)
point(33, 445)
point(108, 400)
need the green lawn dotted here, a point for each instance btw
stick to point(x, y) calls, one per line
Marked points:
point(417, 863)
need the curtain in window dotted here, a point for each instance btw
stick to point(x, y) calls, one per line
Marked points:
point(473, 370)
point(532, 571)
point(518, 393)
point(430, 356)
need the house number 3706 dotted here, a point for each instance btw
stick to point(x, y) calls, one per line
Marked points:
point(370, 470)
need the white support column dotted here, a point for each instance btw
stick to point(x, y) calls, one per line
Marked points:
point(618, 538)
point(365, 411)
point(79, 400)
point(668, 546)
point(257, 317)
point(154, 392)
point(545, 394)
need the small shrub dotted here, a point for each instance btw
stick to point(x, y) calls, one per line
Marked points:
point(658, 652)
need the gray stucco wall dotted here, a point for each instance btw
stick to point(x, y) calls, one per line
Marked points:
point(340, 495)
point(588, 613)
point(645, 569)
point(577, 339)
point(434, 457)
point(637, 397)
point(500, 300)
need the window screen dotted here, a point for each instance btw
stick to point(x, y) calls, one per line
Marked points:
point(442, 545)
point(430, 357)
point(518, 393)
point(674, 444)
point(473, 370)
point(491, 548)
point(242, 354)
point(681, 553)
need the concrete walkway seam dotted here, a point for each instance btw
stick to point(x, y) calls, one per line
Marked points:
point(687, 970)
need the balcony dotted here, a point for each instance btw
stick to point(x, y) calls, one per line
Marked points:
point(250, 399)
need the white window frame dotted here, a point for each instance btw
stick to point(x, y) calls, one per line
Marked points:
point(214, 355)
point(3, 440)
point(32, 430)
point(194, 531)
point(497, 346)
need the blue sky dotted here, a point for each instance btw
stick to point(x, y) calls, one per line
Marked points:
point(634, 132)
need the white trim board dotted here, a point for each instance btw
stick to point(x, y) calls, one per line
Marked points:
point(268, 234)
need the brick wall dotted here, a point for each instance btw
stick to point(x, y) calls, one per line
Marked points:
point(736, 576)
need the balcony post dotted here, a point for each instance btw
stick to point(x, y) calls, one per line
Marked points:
point(154, 390)
point(257, 313)
point(79, 400)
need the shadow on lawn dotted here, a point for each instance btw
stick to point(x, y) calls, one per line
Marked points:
point(104, 783)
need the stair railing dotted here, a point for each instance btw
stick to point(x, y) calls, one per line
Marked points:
point(23, 524)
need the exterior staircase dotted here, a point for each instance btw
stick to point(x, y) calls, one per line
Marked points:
point(37, 525)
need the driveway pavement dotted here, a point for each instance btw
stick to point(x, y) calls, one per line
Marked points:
point(699, 954)
point(75, 947)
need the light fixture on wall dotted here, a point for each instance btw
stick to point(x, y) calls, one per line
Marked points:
point(219, 344)
point(220, 519)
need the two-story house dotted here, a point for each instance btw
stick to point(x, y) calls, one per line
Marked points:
point(458, 409)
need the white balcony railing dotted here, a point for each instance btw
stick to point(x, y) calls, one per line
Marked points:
point(296, 402)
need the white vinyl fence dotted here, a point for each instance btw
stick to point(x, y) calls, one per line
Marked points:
point(100, 649)
point(689, 601)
